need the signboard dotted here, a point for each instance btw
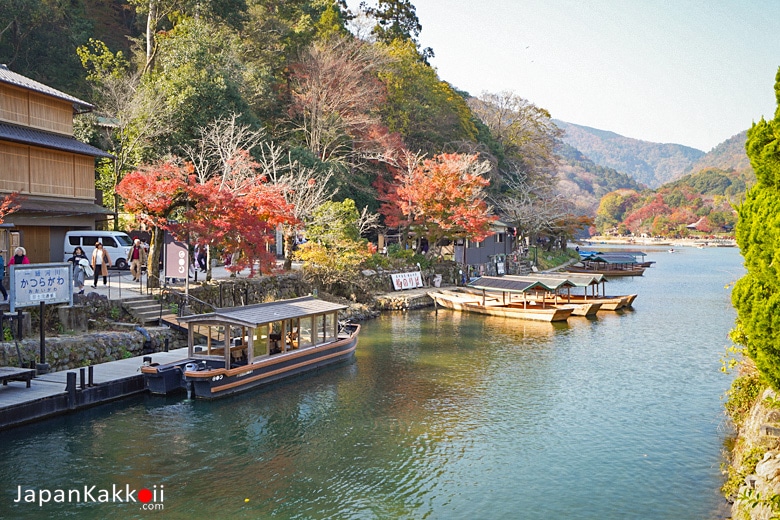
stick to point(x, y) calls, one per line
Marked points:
point(176, 258)
point(500, 268)
point(32, 284)
point(403, 281)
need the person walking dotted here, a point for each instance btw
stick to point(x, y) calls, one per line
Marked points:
point(100, 262)
point(201, 257)
point(20, 257)
point(2, 277)
point(80, 263)
point(137, 259)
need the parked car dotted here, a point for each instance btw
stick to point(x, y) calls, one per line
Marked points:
point(116, 244)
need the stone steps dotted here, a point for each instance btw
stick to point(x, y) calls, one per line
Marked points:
point(144, 309)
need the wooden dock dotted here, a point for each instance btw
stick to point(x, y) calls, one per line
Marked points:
point(69, 390)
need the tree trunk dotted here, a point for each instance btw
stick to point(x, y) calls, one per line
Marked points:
point(155, 254)
point(151, 22)
point(289, 244)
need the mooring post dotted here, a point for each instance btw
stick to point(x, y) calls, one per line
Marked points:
point(166, 344)
point(43, 366)
point(83, 377)
point(70, 388)
point(91, 375)
point(19, 329)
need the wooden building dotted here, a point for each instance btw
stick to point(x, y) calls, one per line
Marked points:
point(489, 256)
point(41, 160)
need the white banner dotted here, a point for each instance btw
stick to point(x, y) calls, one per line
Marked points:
point(35, 283)
point(403, 281)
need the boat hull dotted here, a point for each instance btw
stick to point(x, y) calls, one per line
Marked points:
point(514, 310)
point(636, 271)
point(206, 379)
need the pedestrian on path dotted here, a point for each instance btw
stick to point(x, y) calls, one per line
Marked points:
point(2, 277)
point(100, 262)
point(80, 262)
point(137, 259)
point(20, 257)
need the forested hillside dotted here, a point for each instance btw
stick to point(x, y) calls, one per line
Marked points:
point(652, 164)
point(325, 104)
point(728, 155)
point(584, 182)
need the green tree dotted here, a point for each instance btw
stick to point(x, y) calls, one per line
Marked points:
point(756, 296)
point(199, 72)
point(427, 112)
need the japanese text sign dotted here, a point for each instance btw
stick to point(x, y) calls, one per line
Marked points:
point(32, 284)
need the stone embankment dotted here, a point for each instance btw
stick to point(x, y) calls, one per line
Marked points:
point(755, 460)
point(69, 352)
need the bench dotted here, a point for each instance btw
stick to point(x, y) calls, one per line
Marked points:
point(16, 374)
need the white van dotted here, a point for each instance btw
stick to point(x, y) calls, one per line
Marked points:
point(114, 242)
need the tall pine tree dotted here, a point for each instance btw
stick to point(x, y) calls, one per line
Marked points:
point(756, 296)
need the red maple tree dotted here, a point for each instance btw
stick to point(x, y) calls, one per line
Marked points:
point(9, 204)
point(238, 216)
point(242, 221)
point(439, 198)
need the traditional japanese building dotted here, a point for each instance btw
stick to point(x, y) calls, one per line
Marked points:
point(53, 172)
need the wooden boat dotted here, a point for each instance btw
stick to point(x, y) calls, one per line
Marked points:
point(586, 282)
point(489, 303)
point(610, 264)
point(546, 298)
point(253, 345)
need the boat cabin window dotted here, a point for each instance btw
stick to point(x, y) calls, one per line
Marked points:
point(291, 336)
point(304, 331)
point(327, 327)
point(275, 336)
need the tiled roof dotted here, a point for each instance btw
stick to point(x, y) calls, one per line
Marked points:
point(20, 134)
point(12, 78)
point(254, 315)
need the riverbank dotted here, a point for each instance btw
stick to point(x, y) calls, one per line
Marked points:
point(753, 469)
point(658, 241)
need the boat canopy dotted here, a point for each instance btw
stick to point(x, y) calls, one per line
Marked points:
point(610, 259)
point(258, 314)
point(634, 254)
point(576, 280)
point(515, 285)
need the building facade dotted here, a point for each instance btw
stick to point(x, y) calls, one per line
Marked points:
point(53, 172)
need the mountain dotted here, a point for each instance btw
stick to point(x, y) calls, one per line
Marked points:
point(728, 155)
point(583, 182)
point(649, 163)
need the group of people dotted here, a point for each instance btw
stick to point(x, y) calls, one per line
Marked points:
point(19, 258)
point(97, 266)
point(85, 268)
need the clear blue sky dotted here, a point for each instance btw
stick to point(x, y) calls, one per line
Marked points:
point(672, 71)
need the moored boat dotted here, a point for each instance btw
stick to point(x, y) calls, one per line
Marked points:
point(249, 346)
point(585, 281)
point(496, 299)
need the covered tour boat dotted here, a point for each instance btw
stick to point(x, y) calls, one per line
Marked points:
point(237, 348)
point(495, 299)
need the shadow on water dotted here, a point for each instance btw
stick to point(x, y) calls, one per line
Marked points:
point(442, 415)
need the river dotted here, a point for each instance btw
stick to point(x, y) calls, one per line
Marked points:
point(441, 416)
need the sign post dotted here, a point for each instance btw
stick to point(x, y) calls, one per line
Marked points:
point(39, 284)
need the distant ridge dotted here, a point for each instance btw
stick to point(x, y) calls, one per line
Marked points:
point(652, 164)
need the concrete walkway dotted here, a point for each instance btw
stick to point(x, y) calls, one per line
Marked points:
point(121, 285)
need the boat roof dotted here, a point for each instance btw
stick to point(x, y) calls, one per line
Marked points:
point(611, 258)
point(506, 284)
point(576, 280)
point(258, 314)
point(635, 254)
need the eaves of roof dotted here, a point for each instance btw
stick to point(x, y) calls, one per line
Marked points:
point(13, 78)
point(29, 136)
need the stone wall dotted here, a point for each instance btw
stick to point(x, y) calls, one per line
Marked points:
point(758, 497)
point(69, 352)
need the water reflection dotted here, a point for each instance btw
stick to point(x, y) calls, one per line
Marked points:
point(442, 415)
